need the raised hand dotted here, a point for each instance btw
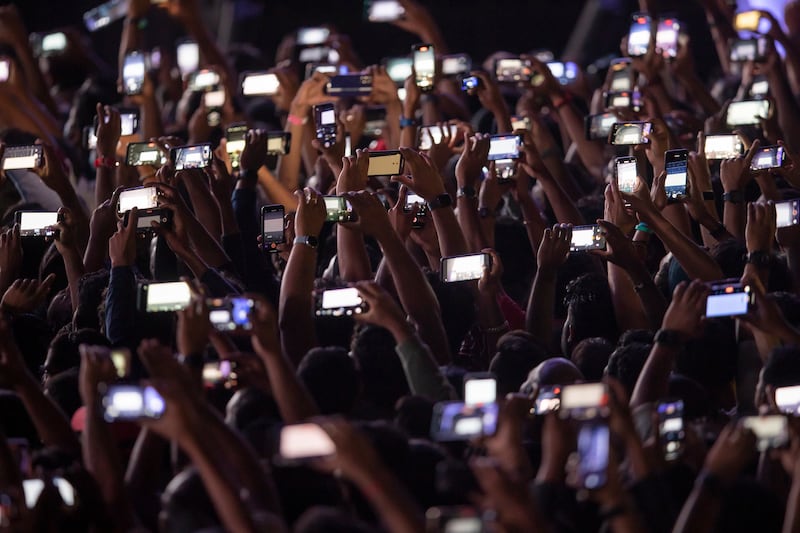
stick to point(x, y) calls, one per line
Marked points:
point(382, 309)
point(554, 248)
point(735, 173)
point(372, 217)
point(109, 130)
point(10, 256)
point(193, 329)
point(25, 295)
point(492, 278)
point(760, 229)
point(685, 313)
point(353, 176)
point(425, 179)
point(255, 150)
point(619, 249)
point(310, 214)
point(473, 159)
point(122, 244)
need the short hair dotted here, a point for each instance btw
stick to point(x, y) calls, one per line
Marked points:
point(591, 357)
point(331, 377)
point(711, 358)
point(382, 374)
point(64, 354)
point(517, 354)
point(457, 306)
point(782, 368)
point(626, 363)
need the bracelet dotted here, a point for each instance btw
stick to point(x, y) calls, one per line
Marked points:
point(466, 192)
point(669, 338)
point(408, 122)
point(718, 232)
point(105, 162)
point(709, 195)
point(566, 98)
point(294, 120)
point(759, 259)
point(641, 226)
point(497, 329)
point(733, 197)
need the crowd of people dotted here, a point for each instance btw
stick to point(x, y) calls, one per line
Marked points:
point(572, 303)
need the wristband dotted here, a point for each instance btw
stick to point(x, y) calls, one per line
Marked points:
point(408, 122)
point(443, 200)
point(248, 174)
point(709, 195)
point(641, 226)
point(105, 162)
point(718, 232)
point(566, 98)
point(309, 240)
point(294, 120)
point(733, 197)
point(669, 338)
point(760, 259)
point(466, 192)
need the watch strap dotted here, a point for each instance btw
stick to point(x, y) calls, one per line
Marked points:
point(443, 200)
point(308, 240)
point(466, 192)
point(669, 338)
point(733, 197)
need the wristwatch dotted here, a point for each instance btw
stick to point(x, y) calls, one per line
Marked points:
point(759, 259)
point(308, 240)
point(466, 191)
point(443, 200)
point(669, 338)
point(733, 197)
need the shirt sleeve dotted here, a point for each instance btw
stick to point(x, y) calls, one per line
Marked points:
point(423, 375)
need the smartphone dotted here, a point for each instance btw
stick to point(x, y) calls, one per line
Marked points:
point(203, 80)
point(745, 112)
point(728, 298)
point(188, 53)
point(272, 227)
point(767, 157)
point(338, 209)
point(621, 74)
point(220, 373)
point(771, 431)
point(259, 84)
point(301, 442)
point(748, 21)
point(129, 122)
point(621, 100)
point(456, 64)
point(430, 135)
point(162, 297)
point(480, 388)
point(599, 126)
point(593, 446)
point(375, 120)
point(788, 399)
point(125, 401)
point(464, 267)
point(279, 142)
point(232, 313)
point(504, 151)
point(584, 401)
point(340, 302)
point(787, 213)
point(53, 43)
point(470, 82)
point(676, 163)
point(513, 70)
point(133, 71)
point(325, 120)
point(424, 65)
point(121, 359)
point(753, 49)
point(398, 68)
point(350, 85)
point(627, 174)
point(385, 163)
point(23, 157)
point(667, 34)
point(33, 488)
point(639, 35)
point(413, 199)
point(192, 156)
point(759, 88)
point(89, 137)
point(37, 223)
point(548, 399)
point(565, 73)
point(723, 146)
point(455, 519)
point(630, 133)
point(324, 68)
point(519, 122)
point(457, 421)
point(587, 238)
point(236, 138)
point(670, 428)
point(5, 67)
point(318, 54)
point(145, 153)
point(312, 36)
point(213, 100)
point(383, 10)
point(146, 217)
point(138, 197)
point(104, 14)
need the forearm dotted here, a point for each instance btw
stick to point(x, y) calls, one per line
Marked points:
point(296, 303)
point(74, 268)
point(392, 503)
point(206, 209)
point(697, 263)
point(652, 299)
point(192, 261)
point(653, 382)
point(791, 521)
point(470, 224)
point(563, 207)
point(421, 370)
point(451, 240)
point(627, 306)
point(51, 425)
point(352, 255)
point(209, 51)
point(699, 93)
point(590, 152)
point(533, 221)
point(393, 113)
point(540, 311)
point(294, 401)
point(786, 108)
point(289, 164)
point(207, 247)
point(152, 127)
point(276, 191)
point(699, 513)
point(104, 182)
point(33, 76)
point(69, 199)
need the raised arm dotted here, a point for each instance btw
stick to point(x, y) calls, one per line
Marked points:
point(553, 251)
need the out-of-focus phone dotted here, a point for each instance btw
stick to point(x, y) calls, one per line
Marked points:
point(350, 85)
point(383, 10)
point(456, 64)
point(272, 227)
point(639, 35)
point(594, 441)
point(470, 82)
point(236, 138)
point(340, 302)
point(753, 49)
point(723, 146)
point(53, 43)
point(121, 359)
point(519, 122)
point(134, 68)
point(279, 142)
point(89, 137)
point(548, 399)
point(480, 388)
point(220, 373)
point(767, 157)
point(231, 314)
point(597, 127)
point(163, 297)
point(145, 153)
point(318, 54)
point(5, 69)
point(748, 21)
point(513, 70)
point(456, 519)
point(259, 84)
point(398, 68)
point(430, 135)
point(125, 401)
point(771, 431)
point(324, 68)
point(619, 100)
point(788, 399)
point(589, 237)
point(565, 73)
point(627, 174)
point(139, 197)
point(676, 164)
point(302, 442)
point(203, 80)
point(456, 421)
point(504, 151)
point(621, 74)
point(312, 36)
point(128, 119)
point(759, 88)
point(104, 14)
point(191, 156)
point(325, 121)
point(787, 213)
point(213, 100)
point(584, 401)
point(424, 65)
point(385, 163)
point(746, 112)
point(23, 157)
point(413, 199)
point(37, 223)
point(146, 217)
point(338, 209)
point(467, 267)
point(188, 53)
point(33, 488)
point(630, 133)
point(670, 428)
point(667, 35)
point(728, 298)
